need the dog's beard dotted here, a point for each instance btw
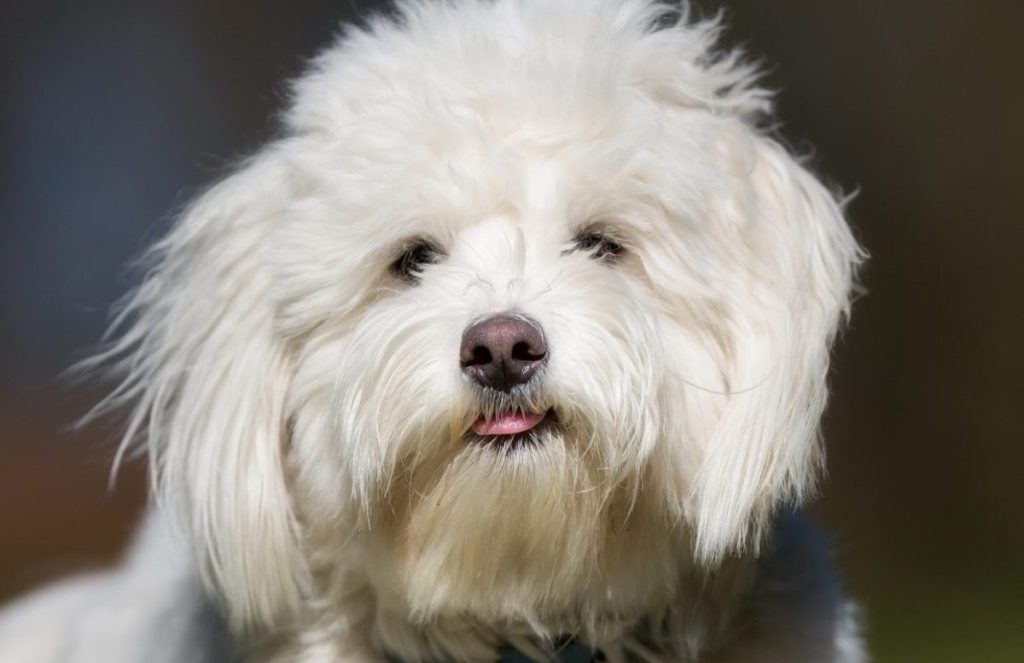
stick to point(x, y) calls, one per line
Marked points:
point(547, 527)
point(560, 525)
point(543, 533)
point(494, 528)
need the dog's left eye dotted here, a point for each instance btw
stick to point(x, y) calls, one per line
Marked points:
point(415, 256)
point(599, 245)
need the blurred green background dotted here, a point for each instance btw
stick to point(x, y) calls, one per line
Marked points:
point(114, 111)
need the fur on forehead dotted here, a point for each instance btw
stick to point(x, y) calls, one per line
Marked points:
point(563, 112)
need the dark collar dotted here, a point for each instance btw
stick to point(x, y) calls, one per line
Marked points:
point(569, 652)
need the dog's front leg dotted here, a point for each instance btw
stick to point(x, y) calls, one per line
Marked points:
point(340, 634)
point(326, 651)
point(329, 643)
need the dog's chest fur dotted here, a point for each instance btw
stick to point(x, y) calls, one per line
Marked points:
point(748, 610)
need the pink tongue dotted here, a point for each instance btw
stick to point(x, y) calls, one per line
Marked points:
point(507, 424)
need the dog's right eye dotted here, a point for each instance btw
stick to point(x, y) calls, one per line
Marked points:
point(415, 256)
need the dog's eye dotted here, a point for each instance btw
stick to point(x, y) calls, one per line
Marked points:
point(415, 256)
point(599, 245)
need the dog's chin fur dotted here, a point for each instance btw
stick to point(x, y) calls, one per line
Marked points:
point(306, 419)
point(530, 536)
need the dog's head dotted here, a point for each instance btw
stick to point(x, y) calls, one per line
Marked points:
point(521, 305)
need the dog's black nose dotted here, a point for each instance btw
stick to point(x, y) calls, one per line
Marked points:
point(502, 351)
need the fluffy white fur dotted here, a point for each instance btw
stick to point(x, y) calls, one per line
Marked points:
point(304, 412)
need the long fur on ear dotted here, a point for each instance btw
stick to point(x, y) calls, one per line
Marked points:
point(206, 381)
point(793, 290)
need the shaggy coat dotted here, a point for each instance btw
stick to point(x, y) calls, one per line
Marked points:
point(291, 364)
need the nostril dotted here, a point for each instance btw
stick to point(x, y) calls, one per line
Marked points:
point(523, 351)
point(481, 356)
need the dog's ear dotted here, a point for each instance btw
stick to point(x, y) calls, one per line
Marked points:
point(206, 379)
point(791, 276)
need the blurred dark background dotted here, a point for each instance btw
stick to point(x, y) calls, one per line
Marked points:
point(113, 112)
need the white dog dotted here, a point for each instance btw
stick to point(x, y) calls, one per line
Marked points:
point(514, 344)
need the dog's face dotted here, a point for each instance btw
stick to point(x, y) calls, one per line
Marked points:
point(497, 336)
point(525, 315)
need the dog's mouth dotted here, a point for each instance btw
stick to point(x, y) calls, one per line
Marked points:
point(513, 429)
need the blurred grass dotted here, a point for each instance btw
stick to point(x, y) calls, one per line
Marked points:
point(950, 607)
point(946, 624)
